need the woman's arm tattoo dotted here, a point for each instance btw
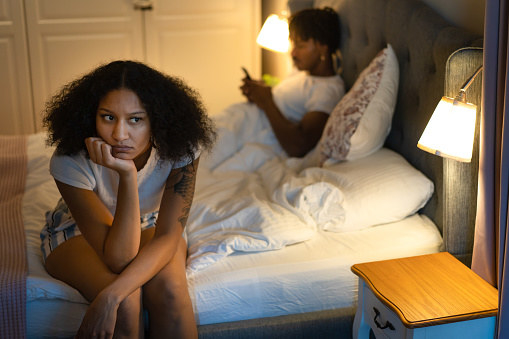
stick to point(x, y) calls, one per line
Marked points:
point(185, 188)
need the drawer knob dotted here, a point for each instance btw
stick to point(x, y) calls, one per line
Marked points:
point(380, 326)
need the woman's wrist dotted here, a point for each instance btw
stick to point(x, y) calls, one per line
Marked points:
point(127, 170)
point(110, 296)
point(128, 175)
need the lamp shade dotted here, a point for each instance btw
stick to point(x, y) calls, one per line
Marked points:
point(274, 34)
point(450, 131)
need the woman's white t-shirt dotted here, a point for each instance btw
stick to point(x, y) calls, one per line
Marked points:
point(79, 171)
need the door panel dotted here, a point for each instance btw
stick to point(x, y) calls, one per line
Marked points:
point(15, 94)
point(206, 43)
point(70, 37)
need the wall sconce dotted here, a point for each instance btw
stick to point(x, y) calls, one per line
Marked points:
point(450, 131)
point(274, 34)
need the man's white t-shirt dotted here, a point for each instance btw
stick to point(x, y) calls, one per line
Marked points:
point(301, 93)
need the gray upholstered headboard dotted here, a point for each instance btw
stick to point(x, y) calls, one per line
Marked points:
point(423, 42)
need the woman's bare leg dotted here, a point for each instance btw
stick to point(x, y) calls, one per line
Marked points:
point(166, 297)
point(75, 263)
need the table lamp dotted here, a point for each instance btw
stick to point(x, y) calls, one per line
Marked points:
point(274, 33)
point(450, 131)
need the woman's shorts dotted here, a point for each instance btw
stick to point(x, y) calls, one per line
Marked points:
point(60, 227)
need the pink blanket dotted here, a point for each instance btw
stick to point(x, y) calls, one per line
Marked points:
point(13, 262)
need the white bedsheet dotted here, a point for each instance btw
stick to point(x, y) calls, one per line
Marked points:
point(310, 276)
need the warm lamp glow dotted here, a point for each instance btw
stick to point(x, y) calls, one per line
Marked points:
point(450, 131)
point(274, 34)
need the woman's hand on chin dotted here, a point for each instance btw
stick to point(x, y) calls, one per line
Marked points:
point(100, 153)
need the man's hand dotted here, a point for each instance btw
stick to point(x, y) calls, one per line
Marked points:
point(257, 92)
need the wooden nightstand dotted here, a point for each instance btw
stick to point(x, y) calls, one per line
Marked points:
point(427, 296)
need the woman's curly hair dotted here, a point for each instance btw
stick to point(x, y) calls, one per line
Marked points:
point(178, 120)
point(319, 24)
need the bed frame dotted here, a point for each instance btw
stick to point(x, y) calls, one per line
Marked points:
point(433, 61)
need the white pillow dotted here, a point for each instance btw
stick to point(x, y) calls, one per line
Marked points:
point(380, 188)
point(362, 119)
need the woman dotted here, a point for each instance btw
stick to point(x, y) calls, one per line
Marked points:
point(299, 106)
point(127, 143)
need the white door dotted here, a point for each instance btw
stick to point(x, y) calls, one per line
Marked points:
point(206, 43)
point(203, 41)
point(15, 95)
point(70, 37)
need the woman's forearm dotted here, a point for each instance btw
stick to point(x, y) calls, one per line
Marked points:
point(123, 239)
point(161, 248)
point(151, 259)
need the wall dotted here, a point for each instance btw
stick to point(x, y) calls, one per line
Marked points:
point(470, 17)
point(276, 64)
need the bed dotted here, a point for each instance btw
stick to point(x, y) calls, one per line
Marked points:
point(272, 239)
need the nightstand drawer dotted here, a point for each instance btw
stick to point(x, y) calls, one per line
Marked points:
point(384, 322)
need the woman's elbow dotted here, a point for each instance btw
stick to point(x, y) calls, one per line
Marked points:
point(116, 264)
point(115, 267)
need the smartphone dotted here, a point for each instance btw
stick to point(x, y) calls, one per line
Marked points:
point(246, 73)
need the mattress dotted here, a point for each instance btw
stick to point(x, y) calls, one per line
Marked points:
point(311, 275)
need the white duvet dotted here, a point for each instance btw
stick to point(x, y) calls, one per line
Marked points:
point(251, 197)
point(248, 198)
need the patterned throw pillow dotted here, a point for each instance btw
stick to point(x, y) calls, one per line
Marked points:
point(361, 121)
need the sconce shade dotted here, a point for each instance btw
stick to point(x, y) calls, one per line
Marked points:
point(450, 131)
point(274, 34)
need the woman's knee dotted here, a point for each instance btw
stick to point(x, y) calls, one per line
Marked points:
point(129, 319)
point(166, 295)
